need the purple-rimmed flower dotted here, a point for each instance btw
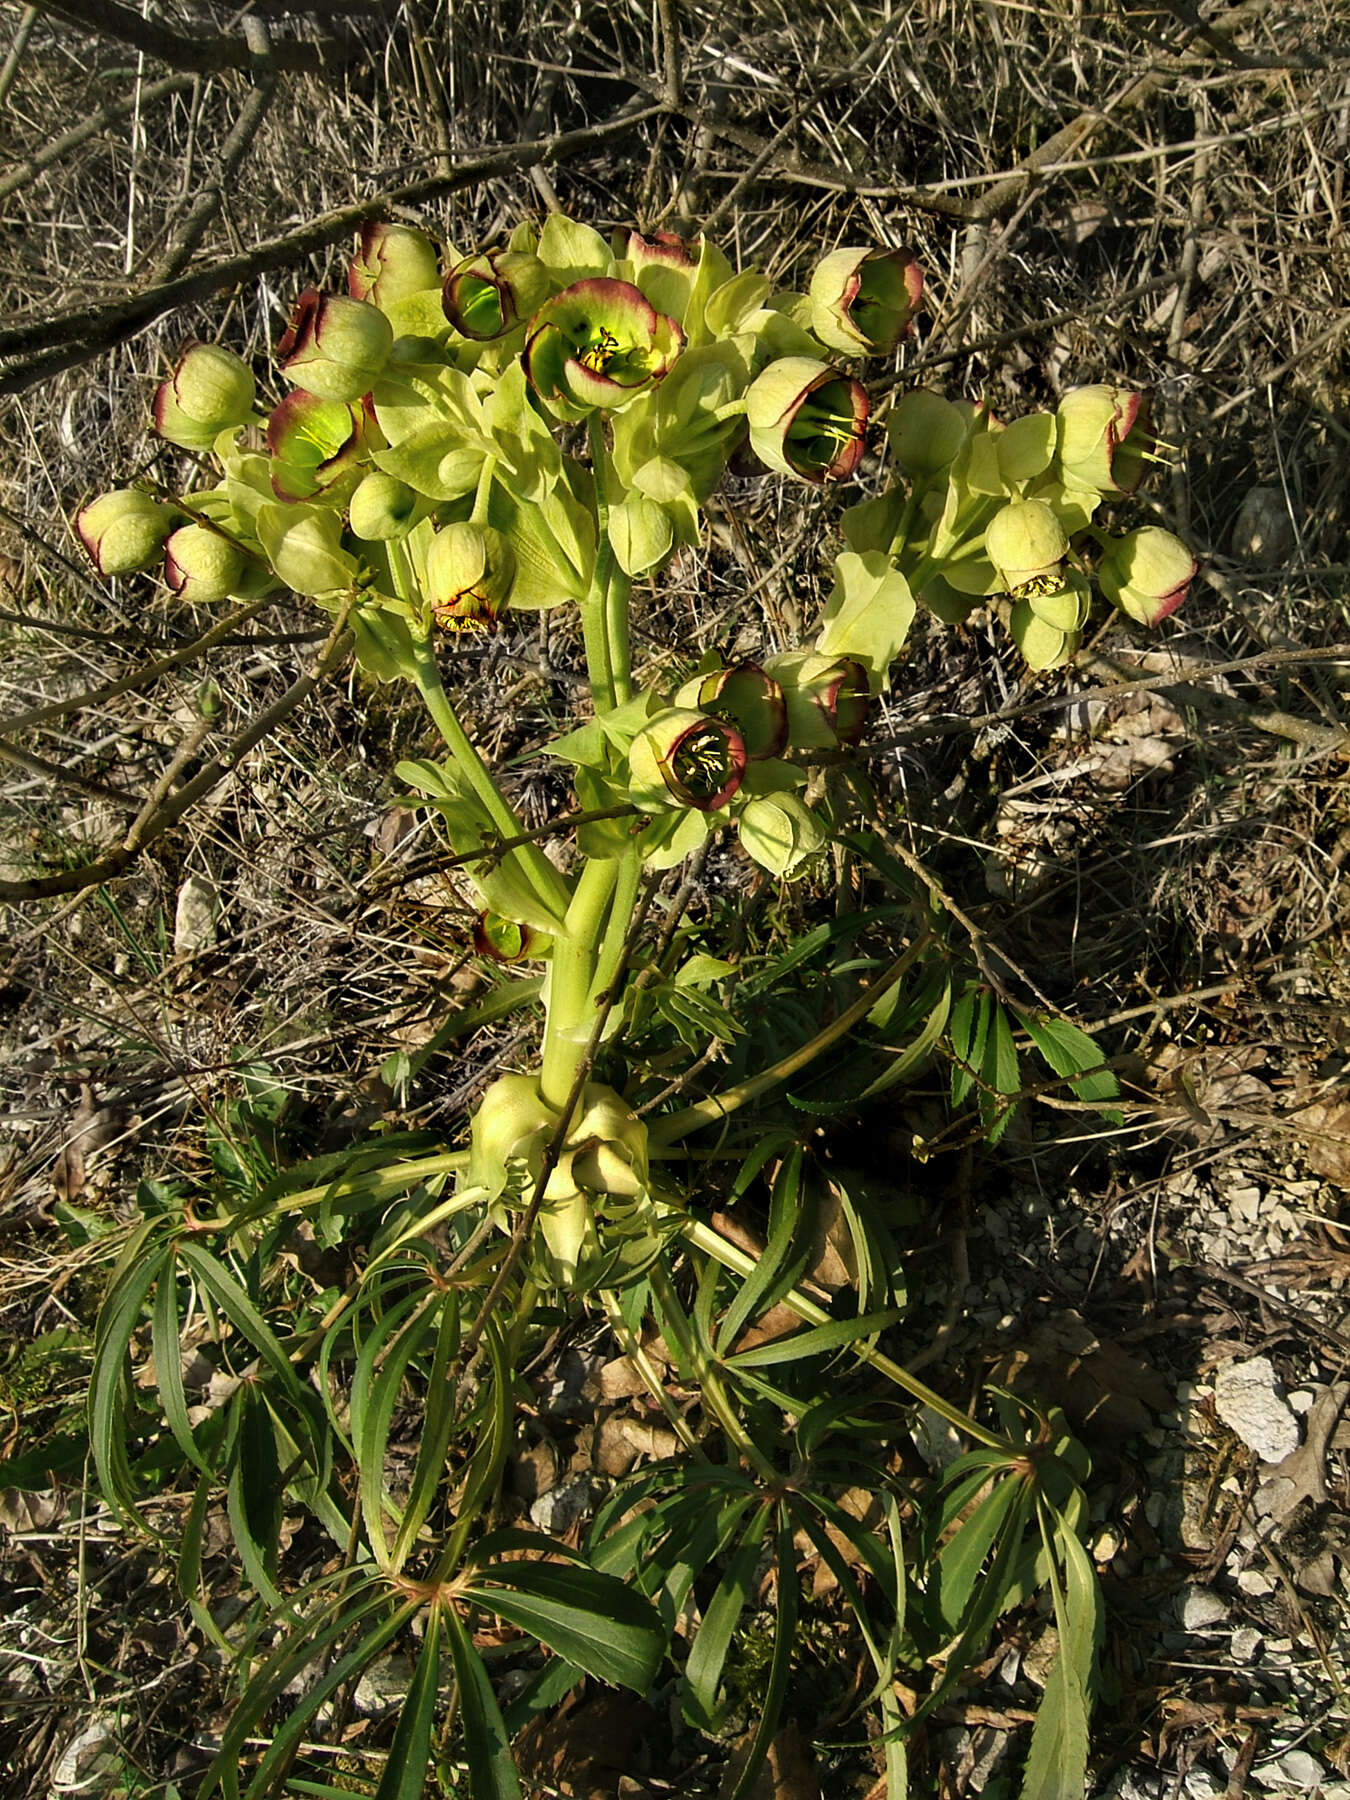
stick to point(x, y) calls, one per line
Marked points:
point(1026, 543)
point(469, 571)
point(1147, 573)
point(826, 696)
point(685, 758)
point(202, 566)
point(209, 390)
point(1105, 437)
point(335, 347)
point(504, 940)
point(489, 294)
point(744, 696)
point(391, 262)
point(598, 345)
point(807, 419)
point(124, 531)
point(316, 445)
point(663, 248)
point(864, 301)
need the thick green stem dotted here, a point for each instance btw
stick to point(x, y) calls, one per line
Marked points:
point(571, 984)
point(604, 611)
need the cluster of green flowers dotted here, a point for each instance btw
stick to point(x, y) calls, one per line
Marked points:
point(986, 510)
point(423, 462)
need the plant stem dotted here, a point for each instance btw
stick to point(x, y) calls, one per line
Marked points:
point(575, 955)
point(703, 1237)
point(604, 611)
point(544, 878)
point(669, 1131)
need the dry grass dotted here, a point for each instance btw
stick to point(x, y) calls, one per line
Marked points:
point(1187, 234)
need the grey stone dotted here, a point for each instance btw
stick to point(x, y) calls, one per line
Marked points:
point(1249, 1399)
point(1201, 1609)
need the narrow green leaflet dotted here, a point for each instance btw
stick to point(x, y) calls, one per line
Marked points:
point(591, 1620)
point(492, 1772)
point(707, 1657)
point(1000, 1072)
point(1071, 1052)
point(1057, 1761)
point(780, 1662)
point(816, 1340)
point(405, 1772)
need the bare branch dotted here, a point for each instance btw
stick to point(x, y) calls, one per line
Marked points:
point(203, 54)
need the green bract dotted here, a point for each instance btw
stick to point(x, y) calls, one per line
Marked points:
point(598, 345)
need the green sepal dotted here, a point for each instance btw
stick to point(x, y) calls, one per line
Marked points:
point(571, 251)
point(304, 546)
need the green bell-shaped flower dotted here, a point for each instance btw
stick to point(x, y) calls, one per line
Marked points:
point(741, 695)
point(469, 572)
point(383, 507)
point(1025, 542)
point(1105, 437)
point(826, 696)
point(806, 419)
point(210, 390)
point(124, 531)
point(201, 566)
point(488, 295)
point(598, 345)
point(1147, 573)
point(335, 347)
point(318, 447)
point(685, 758)
point(391, 263)
point(863, 301)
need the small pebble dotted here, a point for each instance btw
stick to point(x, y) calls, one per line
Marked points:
point(1201, 1609)
point(1246, 1642)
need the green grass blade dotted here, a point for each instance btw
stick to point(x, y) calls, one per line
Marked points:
point(109, 1426)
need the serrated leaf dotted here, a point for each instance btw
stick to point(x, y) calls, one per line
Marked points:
point(592, 1620)
point(1070, 1051)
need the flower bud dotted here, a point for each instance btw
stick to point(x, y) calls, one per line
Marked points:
point(744, 696)
point(1025, 542)
point(316, 445)
point(124, 531)
point(598, 344)
point(487, 295)
point(382, 507)
point(201, 566)
point(506, 941)
point(469, 571)
point(806, 419)
point(926, 432)
point(335, 347)
point(209, 390)
point(391, 262)
point(863, 301)
point(1105, 437)
point(685, 758)
point(1147, 573)
point(826, 697)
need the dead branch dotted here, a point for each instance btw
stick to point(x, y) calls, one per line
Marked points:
point(204, 53)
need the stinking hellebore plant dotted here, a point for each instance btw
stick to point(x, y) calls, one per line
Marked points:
point(472, 437)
